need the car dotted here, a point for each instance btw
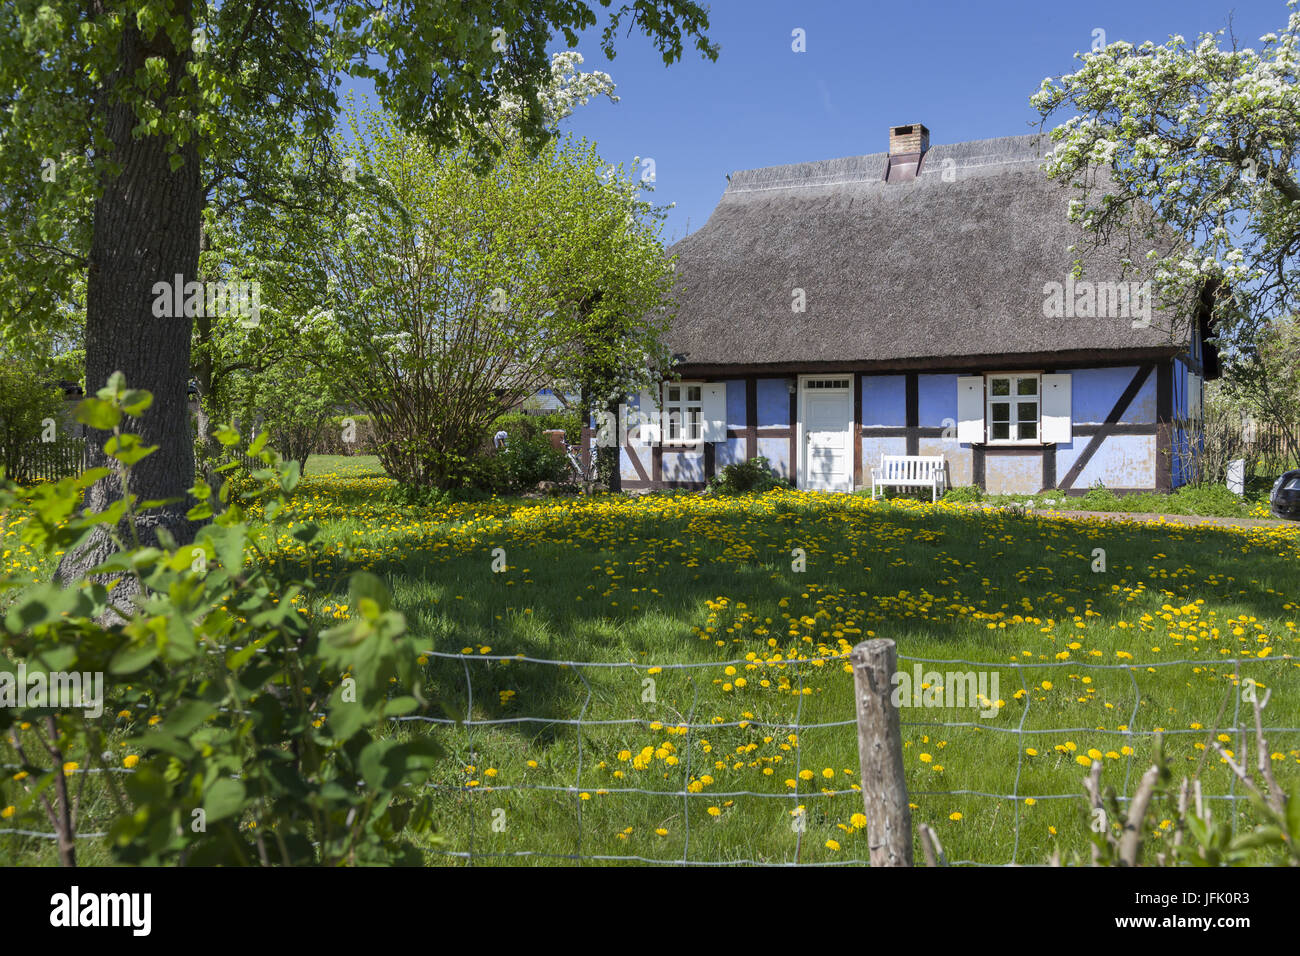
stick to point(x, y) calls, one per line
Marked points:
point(1284, 499)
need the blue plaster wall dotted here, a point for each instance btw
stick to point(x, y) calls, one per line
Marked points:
point(625, 468)
point(777, 453)
point(736, 404)
point(884, 399)
point(1122, 461)
point(1094, 392)
point(773, 403)
point(936, 400)
point(682, 466)
point(730, 452)
point(1187, 445)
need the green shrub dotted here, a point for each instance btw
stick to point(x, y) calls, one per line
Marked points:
point(268, 744)
point(413, 496)
point(523, 463)
point(966, 494)
point(755, 475)
point(519, 425)
point(1100, 498)
point(1214, 500)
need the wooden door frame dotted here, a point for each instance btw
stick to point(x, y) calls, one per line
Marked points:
point(801, 443)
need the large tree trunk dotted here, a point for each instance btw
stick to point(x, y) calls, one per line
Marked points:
point(146, 230)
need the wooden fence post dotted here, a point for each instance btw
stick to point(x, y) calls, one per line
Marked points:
point(880, 749)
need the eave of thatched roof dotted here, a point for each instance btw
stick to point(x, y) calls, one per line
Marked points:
point(950, 265)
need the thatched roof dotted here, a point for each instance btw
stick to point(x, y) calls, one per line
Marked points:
point(944, 266)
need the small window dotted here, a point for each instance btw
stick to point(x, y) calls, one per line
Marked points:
point(1013, 409)
point(683, 413)
point(826, 383)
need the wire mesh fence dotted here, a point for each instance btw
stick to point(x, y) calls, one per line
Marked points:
point(468, 807)
point(1014, 792)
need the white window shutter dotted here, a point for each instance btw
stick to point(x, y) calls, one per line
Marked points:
point(970, 409)
point(648, 417)
point(1193, 396)
point(714, 412)
point(1056, 410)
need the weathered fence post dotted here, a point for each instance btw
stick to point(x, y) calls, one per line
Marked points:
point(880, 749)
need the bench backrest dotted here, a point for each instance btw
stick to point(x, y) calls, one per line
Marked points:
point(911, 467)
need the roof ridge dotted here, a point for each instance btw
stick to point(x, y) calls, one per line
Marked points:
point(869, 167)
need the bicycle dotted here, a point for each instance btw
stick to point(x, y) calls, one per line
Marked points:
point(587, 476)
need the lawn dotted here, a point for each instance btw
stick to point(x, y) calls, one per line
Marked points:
point(678, 580)
point(720, 728)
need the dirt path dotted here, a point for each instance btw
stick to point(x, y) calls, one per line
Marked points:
point(1188, 520)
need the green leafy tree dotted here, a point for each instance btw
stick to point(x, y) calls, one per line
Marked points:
point(149, 110)
point(1264, 382)
point(291, 400)
point(257, 372)
point(456, 292)
point(31, 412)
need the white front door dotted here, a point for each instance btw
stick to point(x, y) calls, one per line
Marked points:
point(826, 456)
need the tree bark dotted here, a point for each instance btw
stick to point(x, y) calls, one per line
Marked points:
point(146, 230)
point(205, 378)
point(611, 455)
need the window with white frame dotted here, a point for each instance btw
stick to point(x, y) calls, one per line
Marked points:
point(1013, 409)
point(683, 412)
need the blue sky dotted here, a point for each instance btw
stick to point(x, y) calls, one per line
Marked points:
point(964, 69)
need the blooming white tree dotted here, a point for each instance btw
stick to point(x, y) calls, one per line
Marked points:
point(1204, 135)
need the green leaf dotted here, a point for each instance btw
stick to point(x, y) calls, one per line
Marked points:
point(363, 585)
point(346, 717)
point(113, 388)
point(133, 658)
point(226, 435)
point(128, 449)
point(224, 798)
point(228, 544)
point(135, 401)
point(1259, 837)
point(377, 769)
point(307, 533)
point(237, 659)
point(182, 719)
point(400, 706)
point(42, 604)
point(97, 413)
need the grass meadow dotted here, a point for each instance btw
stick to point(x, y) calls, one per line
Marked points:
point(723, 731)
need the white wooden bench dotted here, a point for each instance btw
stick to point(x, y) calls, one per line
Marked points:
point(910, 471)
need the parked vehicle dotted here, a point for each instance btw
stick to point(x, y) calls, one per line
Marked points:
point(1284, 500)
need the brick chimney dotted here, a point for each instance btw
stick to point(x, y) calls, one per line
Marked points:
point(908, 139)
point(907, 145)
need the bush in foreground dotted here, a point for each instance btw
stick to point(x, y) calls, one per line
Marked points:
point(264, 744)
